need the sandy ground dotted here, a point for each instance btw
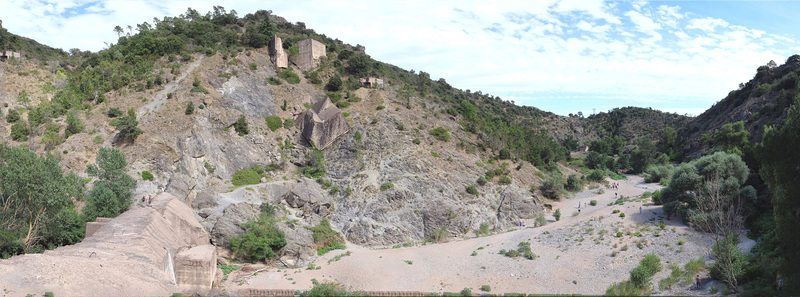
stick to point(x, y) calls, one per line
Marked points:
point(574, 255)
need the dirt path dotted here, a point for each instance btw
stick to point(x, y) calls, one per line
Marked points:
point(161, 97)
point(574, 254)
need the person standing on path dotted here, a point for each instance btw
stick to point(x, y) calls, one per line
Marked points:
point(640, 209)
point(697, 281)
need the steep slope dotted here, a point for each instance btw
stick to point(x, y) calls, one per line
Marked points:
point(762, 101)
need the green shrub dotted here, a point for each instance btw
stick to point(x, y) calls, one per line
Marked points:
point(466, 292)
point(247, 176)
point(416, 141)
point(19, 131)
point(49, 294)
point(504, 180)
point(326, 239)
point(146, 175)
point(274, 122)
point(380, 107)
point(482, 230)
point(574, 183)
point(315, 164)
point(593, 203)
point(189, 108)
point(622, 215)
point(334, 84)
point(481, 180)
point(386, 186)
point(540, 221)
point(13, 116)
point(199, 89)
point(253, 66)
point(486, 288)
point(472, 190)
point(596, 176)
point(289, 76)
point(241, 126)
point(112, 112)
point(274, 81)
point(440, 133)
point(74, 125)
point(357, 136)
point(261, 241)
point(288, 123)
point(557, 214)
point(97, 140)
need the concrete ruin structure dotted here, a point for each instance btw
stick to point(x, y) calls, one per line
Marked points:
point(277, 54)
point(370, 82)
point(151, 250)
point(10, 54)
point(322, 123)
point(310, 53)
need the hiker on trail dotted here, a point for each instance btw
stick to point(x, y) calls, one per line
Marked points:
point(579, 205)
point(640, 209)
point(144, 201)
point(149, 199)
point(615, 195)
point(697, 281)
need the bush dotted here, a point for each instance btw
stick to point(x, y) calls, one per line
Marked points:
point(261, 241)
point(289, 76)
point(386, 186)
point(640, 277)
point(557, 214)
point(574, 183)
point(486, 288)
point(274, 81)
point(334, 84)
point(593, 203)
point(189, 108)
point(146, 175)
point(440, 133)
point(19, 131)
point(481, 180)
point(596, 176)
point(380, 107)
point(199, 89)
point(540, 221)
point(288, 123)
point(247, 176)
point(472, 190)
point(74, 125)
point(483, 229)
point(114, 112)
point(416, 141)
point(326, 239)
point(253, 66)
point(466, 292)
point(13, 116)
point(274, 122)
point(241, 126)
point(315, 164)
point(504, 180)
point(622, 215)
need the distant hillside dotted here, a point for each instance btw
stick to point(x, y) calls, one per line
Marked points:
point(762, 101)
point(29, 47)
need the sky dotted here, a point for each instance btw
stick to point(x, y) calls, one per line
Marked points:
point(562, 56)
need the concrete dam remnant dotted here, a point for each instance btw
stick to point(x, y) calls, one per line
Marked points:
point(156, 250)
point(322, 123)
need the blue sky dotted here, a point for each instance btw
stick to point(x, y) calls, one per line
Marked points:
point(562, 56)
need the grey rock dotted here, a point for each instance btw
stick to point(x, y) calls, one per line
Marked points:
point(205, 199)
point(232, 221)
point(299, 243)
point(306, 192)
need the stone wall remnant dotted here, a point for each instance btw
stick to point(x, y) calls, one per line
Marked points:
point(277, 54)
point(310, 53)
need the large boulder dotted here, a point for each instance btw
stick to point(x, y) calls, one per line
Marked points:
point(299, 245)
point(232, 222)
point(322, 123)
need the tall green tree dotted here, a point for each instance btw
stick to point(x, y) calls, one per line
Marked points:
point(732, 137)
point(112, 182)
point(34, 191)
point(780, 169)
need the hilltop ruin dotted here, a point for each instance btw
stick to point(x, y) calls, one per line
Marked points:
point(277, 54)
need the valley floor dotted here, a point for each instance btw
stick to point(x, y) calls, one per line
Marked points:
point(579, 254)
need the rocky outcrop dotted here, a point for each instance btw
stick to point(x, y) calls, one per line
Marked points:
point(156, 250)
point(232, 222)
point(322, 123)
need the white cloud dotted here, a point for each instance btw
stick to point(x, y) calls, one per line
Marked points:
point(706, 24)
point(643, 23)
